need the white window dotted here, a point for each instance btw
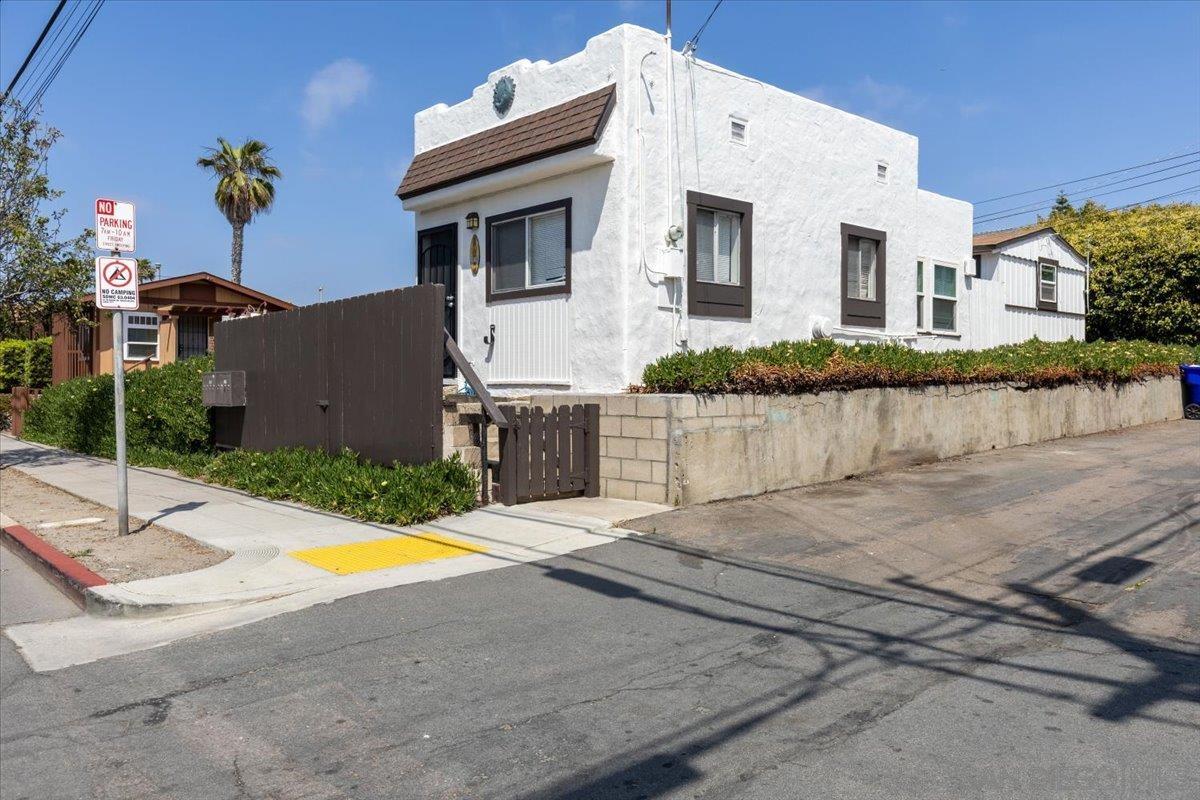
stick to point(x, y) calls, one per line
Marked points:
point(881, 171)
point(944, 303)
point(737, 130)
point(718, 247)
point(920, 295)
point(141, 336)
point(529, 252)
point(1048, 282)
point(862, 259)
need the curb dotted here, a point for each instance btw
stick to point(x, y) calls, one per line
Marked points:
point(72, 577)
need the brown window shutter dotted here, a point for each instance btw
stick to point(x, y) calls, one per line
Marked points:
point(714, 299)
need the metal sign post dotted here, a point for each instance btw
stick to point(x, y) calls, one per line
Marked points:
point(119, 406)
point(117, 291)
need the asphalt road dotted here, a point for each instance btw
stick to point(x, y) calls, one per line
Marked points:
point(780, 647)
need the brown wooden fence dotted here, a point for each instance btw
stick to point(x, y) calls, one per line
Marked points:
point(363, 373)
point(550, 454)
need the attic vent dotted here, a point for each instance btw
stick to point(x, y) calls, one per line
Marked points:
point(881, 171)
point(737, 130)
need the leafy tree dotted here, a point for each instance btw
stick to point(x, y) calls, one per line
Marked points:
point(41, 273)
point(1145, 279)
point(245, 187)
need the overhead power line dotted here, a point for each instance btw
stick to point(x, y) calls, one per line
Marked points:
point(33, 50)
point(54, 64)
point(49, 53)
point(1099, 194)
point(1060, 184)
point(1181, 192)
point(1041, 203)
point(691, 44)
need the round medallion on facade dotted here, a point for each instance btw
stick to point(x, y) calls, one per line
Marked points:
point(503, 94)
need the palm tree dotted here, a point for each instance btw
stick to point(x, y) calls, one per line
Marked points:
point(244, 187)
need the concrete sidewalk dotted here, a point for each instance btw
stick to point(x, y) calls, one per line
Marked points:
point(261, 578)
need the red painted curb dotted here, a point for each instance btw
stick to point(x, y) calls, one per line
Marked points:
point(73, 577)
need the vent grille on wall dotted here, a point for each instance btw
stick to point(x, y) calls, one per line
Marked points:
point(737, 130)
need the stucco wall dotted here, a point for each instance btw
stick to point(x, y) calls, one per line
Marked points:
point(806, 167)
point(944, 226)
point(686, 449)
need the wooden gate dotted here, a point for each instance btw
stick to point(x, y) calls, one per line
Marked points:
point(549, 454)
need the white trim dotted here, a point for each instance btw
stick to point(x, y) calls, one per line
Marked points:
point(933, 295)
point(1042, 282)
point(127, 321)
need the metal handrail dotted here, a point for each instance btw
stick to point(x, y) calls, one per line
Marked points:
point(485, 397)
point(491, 411)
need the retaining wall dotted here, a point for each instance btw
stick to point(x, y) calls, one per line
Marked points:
point(686, 449)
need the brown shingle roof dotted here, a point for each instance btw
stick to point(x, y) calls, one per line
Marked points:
point(993, 238)
point(983, 242)
point(148, 287)
point(575, 123)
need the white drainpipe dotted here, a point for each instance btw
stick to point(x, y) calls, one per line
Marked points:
point(672, 244)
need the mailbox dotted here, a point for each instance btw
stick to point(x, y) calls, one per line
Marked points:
point(227, 388)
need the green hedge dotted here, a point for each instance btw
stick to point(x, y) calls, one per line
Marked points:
point(162, 410)
point(168, 427)
point(810, 366)
point(25, 362)
point(399, 495)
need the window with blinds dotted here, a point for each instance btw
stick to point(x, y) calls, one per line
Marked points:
point(864, 276)
point(529, 251)
point(720, 253)
point(860, 268)
point(718, 247)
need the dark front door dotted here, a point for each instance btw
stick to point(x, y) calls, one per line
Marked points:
point(437, 262)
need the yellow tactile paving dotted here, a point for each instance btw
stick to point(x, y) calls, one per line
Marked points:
point(394, 551)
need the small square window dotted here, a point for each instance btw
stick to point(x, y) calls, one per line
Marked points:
point(881, 172)
point(737, 130)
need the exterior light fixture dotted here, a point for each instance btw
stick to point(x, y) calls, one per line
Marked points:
point(472, 221)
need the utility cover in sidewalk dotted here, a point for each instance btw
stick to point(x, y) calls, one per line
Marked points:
point(395, 551)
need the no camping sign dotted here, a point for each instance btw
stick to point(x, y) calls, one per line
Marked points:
point(116, 284)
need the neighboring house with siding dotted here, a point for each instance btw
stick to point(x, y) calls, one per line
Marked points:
point(1031, 283)
point(590, 215)
point(174, 321)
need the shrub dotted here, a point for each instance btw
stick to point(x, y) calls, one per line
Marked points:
point(39, 362)
point(163, 410)
point(799, 367)
point(167, 426)
point(398, 495)
point(12, 362)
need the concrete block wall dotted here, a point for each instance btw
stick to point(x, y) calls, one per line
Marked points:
point(687, 449)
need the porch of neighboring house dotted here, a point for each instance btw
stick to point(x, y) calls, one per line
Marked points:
point(174, 321)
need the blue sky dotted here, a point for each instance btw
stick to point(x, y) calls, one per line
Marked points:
point(1004, 97)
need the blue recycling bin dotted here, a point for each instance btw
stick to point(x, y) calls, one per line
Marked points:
point(1189, 374)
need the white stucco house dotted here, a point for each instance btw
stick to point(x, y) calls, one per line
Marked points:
point(591, 215)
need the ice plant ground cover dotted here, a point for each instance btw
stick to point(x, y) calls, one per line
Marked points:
point(813, 366)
